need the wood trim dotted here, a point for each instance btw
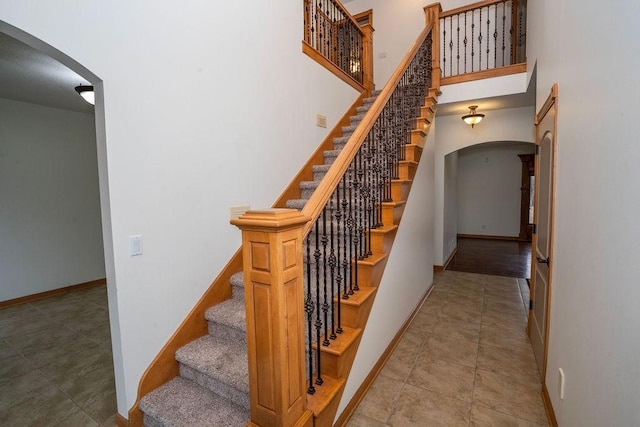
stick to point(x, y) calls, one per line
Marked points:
point(432, 17)
point(450, 258)
point(121, 421)
point(337, 71)
point(346, 12)
point(165, 367)
point(306, 173)
point(321, 195)
point(488, 237)
point(53, 293)
point(485, 74)
point(348, 411)
point(548, 407)
point(469, 7)
point(365, 17)
point(550, 102)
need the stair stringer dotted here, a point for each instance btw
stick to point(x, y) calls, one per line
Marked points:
point(325, 405)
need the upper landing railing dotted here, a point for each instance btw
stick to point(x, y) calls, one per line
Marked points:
point(481, 40)
point(334, 38)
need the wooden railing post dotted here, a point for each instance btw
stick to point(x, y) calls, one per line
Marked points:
point(367, 57)
point(272, 257)
point(432, 15)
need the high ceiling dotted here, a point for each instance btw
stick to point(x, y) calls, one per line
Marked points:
point(28, 75)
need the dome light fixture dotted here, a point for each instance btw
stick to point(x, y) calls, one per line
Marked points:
point(87, 93)
point(473, 118)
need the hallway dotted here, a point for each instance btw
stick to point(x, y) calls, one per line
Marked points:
point(489, 256)
point(465, 360)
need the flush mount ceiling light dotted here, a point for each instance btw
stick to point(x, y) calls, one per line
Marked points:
point(87, 93)
point(473, 118)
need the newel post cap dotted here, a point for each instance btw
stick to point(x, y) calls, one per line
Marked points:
point(271, 219)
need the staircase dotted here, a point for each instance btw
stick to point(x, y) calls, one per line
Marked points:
point(212, 388)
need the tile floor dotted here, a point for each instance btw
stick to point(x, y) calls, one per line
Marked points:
point(464, 361)
point(56, 365)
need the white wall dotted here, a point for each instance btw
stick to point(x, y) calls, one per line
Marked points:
point(489, 195)
point(407, 276)
point(450, 208)
point(197, 104)
point(452, 134)
point(594, 309)
point(50, 228)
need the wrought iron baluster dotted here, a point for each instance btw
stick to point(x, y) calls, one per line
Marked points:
point(318, 322)
point(308, 308)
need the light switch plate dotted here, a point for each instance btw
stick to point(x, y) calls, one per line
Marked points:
point(135, 245)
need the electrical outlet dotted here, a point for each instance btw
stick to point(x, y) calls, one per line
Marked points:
point(237, 211)
point(321, 121)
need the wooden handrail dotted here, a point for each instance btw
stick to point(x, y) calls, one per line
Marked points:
point(347, 14)
point(325, 189)
point(469, 7)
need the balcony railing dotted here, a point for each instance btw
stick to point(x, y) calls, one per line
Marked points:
point(483, 36)
point(333, 37)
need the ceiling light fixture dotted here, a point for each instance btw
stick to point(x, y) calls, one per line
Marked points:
point(87, 93)
point(473, 118)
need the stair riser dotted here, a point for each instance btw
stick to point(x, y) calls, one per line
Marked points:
point(407, 170)
point(355, 316)
point(413, 153)
point(338, 366)
point(239, 397)
point(381, 243)
point(400, 190)
point(370, 275)
point(392, 214)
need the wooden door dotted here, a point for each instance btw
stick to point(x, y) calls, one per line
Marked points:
point(542, 251)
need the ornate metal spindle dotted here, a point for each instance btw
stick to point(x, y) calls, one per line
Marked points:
point(495, 37)
point(444, 47)
point(324, 239)
point(480, 42)
point(350, 226)
point(335, 291)
point(465, 42)
point(345, 239)
point(451, 44)
point(458, 42)
point(511, 47)
point(473, 52)
point(504, 24)
point(318, 322)
point(488, 29)
point(308, 308)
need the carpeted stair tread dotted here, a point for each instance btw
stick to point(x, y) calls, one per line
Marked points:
point(363, 108)
point(181, 402)
point(218, 358)
point(320, 168)
point(348, 129)
point(309, 185)
point(296, 203)
point(230, 313)
point(341, 140)
point(237, 281)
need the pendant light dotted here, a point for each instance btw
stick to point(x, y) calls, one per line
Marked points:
point(473, 118)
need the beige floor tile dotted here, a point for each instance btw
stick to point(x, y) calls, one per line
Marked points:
point(54, 335)
point(412, 339)
point(26, 323)
point(80, 419)
point(505, 338)
point(14, 366)
point(379, 401)
point(456, 329)
point(430, 308)
point(453, 350)
point(77, 364)
point(418, 407)
point(20, 310)
point(6, 351)
point(49, 407)
point(464, 314)
point(485, 417)
point(86, 389)
point(510, 395)
point(400, 364)
point(16, 390)
point(109, 422)
point(502, 321)
point(443, 377)
point(423, 322)
point(363, 421)
point(513, 362)
point(102, 409)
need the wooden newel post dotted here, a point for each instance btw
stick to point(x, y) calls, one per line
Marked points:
point(367, 54)
point(272, 256)
point(432, 15)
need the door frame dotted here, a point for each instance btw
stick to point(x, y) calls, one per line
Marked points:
point(551, 102)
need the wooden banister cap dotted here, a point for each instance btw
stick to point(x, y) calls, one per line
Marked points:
point(271, 219)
